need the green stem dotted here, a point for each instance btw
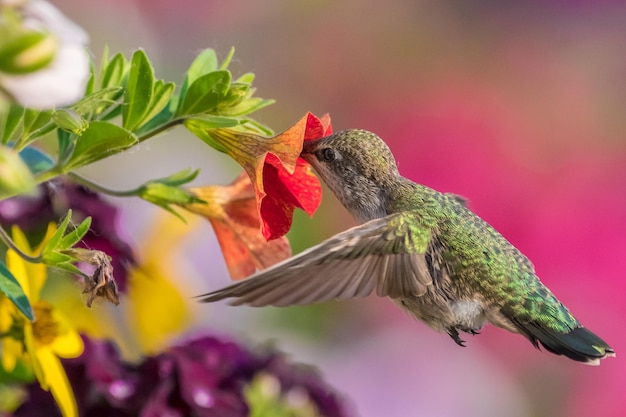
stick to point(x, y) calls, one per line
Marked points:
point(11, 245)
point(160, 129)
point(101, 189)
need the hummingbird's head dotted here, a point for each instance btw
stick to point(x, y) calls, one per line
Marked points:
point(358, 167)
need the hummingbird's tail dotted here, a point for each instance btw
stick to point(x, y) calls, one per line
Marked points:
point(578, 344)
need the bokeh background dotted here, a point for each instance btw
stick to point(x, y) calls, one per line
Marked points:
point(518, 106)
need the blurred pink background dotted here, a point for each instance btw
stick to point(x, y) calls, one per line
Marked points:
point(518, 106)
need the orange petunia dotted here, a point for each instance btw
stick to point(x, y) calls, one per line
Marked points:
point(232, 211)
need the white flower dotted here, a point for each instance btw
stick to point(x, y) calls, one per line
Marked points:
point(63, 80)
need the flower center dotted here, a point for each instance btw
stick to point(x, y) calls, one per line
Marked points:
point(45, 329)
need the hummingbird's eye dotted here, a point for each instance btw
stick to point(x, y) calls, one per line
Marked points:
point(327, 155)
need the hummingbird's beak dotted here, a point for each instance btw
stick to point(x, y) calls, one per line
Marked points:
point(310, 146)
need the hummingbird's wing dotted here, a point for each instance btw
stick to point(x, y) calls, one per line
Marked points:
point(386, 254)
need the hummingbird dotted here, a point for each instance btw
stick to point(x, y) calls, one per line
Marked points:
point(425, 250)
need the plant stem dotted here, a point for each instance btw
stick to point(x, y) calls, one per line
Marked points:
point(160, 129)
point(11, 245)
point(101, 189)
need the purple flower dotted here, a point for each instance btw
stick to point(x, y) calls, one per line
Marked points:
point(205, 377)
point(33, 213)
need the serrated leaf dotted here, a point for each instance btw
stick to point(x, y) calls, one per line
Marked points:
point(36, 160)
point(73, 237)
point(204, 63)
point(139, 90)
point(205, 93)
point(99, 140)
point(14, 292)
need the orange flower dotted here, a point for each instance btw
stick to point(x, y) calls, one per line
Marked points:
point(232, 211)
point(281, 179)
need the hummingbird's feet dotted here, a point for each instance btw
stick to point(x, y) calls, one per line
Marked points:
point(454, 334)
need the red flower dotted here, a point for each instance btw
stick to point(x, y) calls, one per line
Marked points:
point(281, 179)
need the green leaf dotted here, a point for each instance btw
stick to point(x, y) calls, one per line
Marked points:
point(35, 123)
point(91, 81)
point(249, 105)
point(179, 178)
point(160, 98)
point(205, 93)
point(75, 235)
point(139, 90)
point(235, 95)
point(36, 160)
point(70, 120)
point(99, 140)
point(114, 72)
point(57, 259)
point(12, 289)
point(208, 121)
point(164, 194)
point(229, 57)
point(201, 127)
point(204, 63)
point(98, 101)
point(15, 177)
point(246, 78)
point(11, 122)
point(65, 145)
point(66, 264)
point(54, 241)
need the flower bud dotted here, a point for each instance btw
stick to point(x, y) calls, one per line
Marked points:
point(15, 177)
point(68, 119)
point(26, 51)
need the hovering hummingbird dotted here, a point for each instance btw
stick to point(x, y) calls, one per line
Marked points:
point(423, 249)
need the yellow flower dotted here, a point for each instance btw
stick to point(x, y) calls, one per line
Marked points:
point(49, 337)
point(157, 310)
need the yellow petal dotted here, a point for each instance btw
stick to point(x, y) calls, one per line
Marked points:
point(52, 228)
point(158, 311)
point(58, 382)
point(11, 348)
point(29, 342)
point(67, 344)
point(17, 266)
point(34, 275)
point(166, 234)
